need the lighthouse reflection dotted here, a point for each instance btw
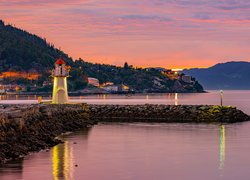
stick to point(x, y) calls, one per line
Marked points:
point(63, 162)
point(63, 155)
point(222, 146)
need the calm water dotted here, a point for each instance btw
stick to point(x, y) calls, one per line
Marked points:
point(146, 151)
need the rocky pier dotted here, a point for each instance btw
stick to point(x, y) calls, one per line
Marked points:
point(167, 113)
point(30, 128)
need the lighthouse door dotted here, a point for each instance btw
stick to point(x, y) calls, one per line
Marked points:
point(61, 96)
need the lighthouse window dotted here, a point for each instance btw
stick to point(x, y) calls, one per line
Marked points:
point(61, 70)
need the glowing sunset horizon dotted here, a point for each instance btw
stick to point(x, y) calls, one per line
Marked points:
point(148, 33)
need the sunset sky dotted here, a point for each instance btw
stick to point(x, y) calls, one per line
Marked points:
point(167, 33)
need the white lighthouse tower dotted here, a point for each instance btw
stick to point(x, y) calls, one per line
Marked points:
point(60, 89)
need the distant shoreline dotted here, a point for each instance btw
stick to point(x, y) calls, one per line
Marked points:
point(113, 93)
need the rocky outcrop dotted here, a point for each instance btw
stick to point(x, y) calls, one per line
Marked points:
point(167, 113)
point(27, 128)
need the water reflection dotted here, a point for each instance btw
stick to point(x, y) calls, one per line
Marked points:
point(104, 96)
point(143, 151)
point(13, 169)
point(63, 162)
point(222, 146)
point(176, 99)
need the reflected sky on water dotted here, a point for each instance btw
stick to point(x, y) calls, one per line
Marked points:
point(142, 151)
point(146, 151)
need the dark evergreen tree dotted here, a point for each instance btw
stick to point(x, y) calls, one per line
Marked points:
point(126, 66)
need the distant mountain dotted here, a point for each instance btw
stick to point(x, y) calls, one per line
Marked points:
point(230, 75)
point(23, 53)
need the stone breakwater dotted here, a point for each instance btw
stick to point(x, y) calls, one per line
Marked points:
point(28, 128)
point(167, 113)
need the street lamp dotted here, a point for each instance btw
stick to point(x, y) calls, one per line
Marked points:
point(221, 97)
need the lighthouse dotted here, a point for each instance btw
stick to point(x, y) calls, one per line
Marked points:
point(60, 89)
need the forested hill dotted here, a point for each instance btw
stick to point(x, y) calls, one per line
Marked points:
point(21, 51)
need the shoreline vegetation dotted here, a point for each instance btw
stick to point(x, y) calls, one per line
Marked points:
point(31, 128)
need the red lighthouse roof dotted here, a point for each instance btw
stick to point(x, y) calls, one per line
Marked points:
point(60, 61)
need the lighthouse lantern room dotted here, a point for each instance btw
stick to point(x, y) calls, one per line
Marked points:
point(60, 90)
